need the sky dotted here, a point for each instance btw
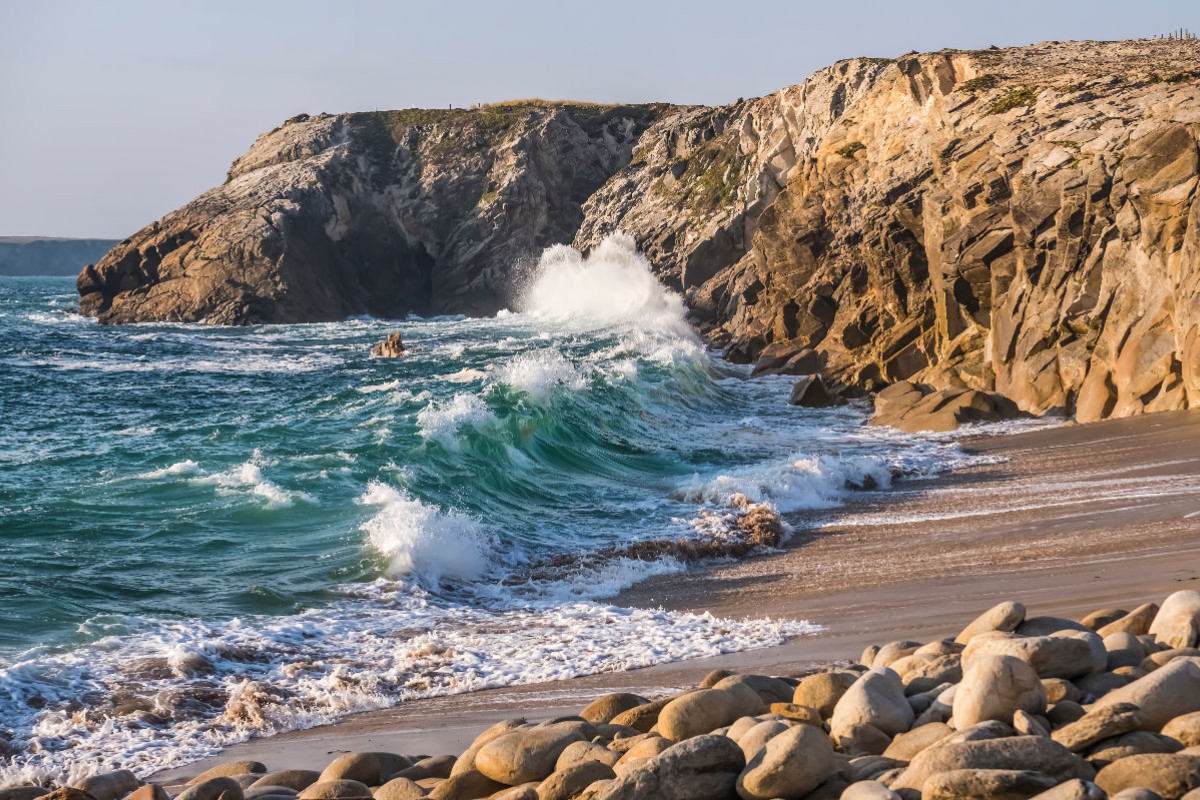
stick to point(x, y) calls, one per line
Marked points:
point(114, 113)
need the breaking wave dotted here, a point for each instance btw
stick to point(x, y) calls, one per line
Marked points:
point(613, 285)
point(300, 531)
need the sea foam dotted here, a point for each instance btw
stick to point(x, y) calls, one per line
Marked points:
point(612, 285)
point(441, 420)
point(386, 643)
point(538, 372)
point(486, 493)
point(423, 542)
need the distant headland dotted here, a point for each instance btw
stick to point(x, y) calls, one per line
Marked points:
point(49, 255)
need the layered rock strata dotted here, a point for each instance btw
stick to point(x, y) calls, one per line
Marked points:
point(1019, 223)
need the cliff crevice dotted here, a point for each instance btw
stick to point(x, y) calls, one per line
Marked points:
point(1020, 222)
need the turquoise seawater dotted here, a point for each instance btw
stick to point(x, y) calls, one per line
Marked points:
point(209, 533)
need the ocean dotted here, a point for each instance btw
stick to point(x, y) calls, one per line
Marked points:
point(212, 533)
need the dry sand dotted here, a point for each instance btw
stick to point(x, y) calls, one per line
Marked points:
point(1066, 520)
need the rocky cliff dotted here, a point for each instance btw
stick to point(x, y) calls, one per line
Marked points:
point(377, 213)
point(1023, 222)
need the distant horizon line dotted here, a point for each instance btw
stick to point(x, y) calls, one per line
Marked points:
point(20, 239)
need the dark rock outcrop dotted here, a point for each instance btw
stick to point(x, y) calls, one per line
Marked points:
point(915, 407)
point(376, 213)
point(810, 391)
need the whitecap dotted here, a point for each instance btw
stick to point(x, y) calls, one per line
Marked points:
point(248, 478)
point(612, 285)
point(465, 375)
point(423, 542)
point(276, 674)
point(387, 386)
point(186, 467)
point(537, 372)
point(442, 420)
point(801, 484)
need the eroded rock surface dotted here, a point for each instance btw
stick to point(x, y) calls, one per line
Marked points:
point(376, 213)
point(1004, 229)
point(1019, 221)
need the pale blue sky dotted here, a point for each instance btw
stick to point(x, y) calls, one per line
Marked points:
point(114, 113)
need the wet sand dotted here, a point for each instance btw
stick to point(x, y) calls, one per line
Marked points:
point(1066, 519)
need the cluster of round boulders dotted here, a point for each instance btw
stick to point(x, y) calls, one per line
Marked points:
point(1013, 707)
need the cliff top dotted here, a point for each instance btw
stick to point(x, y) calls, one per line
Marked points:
point(456, 129)
point(1064, 66)
point(1127, 61)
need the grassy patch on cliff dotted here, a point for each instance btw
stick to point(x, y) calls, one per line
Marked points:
point(439, 134)
point(641, 153)
point(1024, 97)
point(715, 171)
point(487, 121)
point(291, 121)
point(981, 83)
point(848, 150)
point(491, 120)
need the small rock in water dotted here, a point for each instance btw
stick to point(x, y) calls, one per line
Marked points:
point(811, 391)
point(391, 347)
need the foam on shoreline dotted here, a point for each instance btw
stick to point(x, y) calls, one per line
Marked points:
point(224, 683)
point(311, 532)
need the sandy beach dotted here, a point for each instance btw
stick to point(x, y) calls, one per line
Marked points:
point(1065, 519)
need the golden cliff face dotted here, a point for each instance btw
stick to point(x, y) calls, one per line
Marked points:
point(1019, 221)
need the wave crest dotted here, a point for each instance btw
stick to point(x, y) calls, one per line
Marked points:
point(421, 541)
point(442, 420)
point(612, 285)
point(539, 371)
